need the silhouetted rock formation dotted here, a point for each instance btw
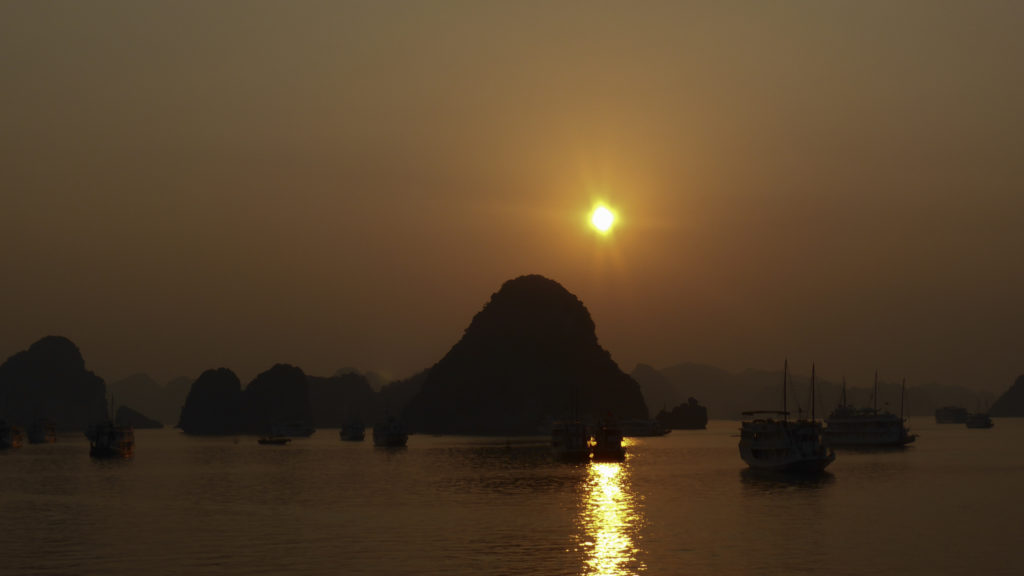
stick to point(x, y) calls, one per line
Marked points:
point(162, 402)
point(213, 405)
point(275, 399)
point(338, 400)
point(530, 356)
point(1011, 403)
point(128, 417)
point(49, 380)
point(689, 416)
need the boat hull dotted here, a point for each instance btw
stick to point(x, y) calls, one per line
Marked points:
point(795, 466)
point(784, 446)
point(352, 433)
point(274, 441)
point(855, 441)
point(390, 434)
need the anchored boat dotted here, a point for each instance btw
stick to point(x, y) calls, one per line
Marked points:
point(770, 441)
point(867, 427)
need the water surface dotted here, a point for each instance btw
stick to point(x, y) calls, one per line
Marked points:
point(683, 503)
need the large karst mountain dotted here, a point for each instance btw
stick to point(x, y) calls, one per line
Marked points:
point(49, 380)
point(529, 357)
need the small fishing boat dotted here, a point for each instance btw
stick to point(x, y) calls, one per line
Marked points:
point(353, 431)
point(107, 439)
point(390, 434)
point(11, 436)
point(573, 441)
point(606, 443)
point(42, 431)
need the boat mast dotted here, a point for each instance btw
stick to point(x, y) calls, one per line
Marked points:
point(903, 392)
point(874, 395)
point(785, 372)
point(812, 391)
point(842, 402)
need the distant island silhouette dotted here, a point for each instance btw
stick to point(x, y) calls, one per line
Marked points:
point(529, 357)
point(688, 416)
point(276, 399)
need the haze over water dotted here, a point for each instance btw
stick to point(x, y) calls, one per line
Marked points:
point(683, 503)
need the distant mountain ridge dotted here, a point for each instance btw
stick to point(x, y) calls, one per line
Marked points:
point(162, 402)
point(727, 394)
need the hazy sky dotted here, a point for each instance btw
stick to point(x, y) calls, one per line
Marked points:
point(187, 185)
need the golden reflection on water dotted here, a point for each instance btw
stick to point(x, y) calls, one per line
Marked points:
point(610, 520)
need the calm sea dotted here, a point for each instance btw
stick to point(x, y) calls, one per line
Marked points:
point(680, 504)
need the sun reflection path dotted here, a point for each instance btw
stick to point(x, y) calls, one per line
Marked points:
point(610, 520)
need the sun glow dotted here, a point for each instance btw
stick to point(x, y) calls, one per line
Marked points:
point(602, 219)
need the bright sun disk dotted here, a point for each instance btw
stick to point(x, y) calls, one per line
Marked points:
point(602, 219)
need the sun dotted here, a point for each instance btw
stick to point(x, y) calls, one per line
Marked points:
point(602, 219)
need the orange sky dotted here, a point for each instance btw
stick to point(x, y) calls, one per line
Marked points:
point(192, 185)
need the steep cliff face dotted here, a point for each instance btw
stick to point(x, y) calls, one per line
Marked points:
point(1011, 403)
point(213, 405)
point(529, 356)
point(49, 380)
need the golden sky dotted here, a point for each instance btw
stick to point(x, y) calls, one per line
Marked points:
point(188, 185)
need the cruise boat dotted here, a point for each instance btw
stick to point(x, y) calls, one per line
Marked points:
point(570, 441)
point(109, 440)
point(770, 441)
point(11, 436)
point(574, 441)
point(979, 420)
point(951, 415)
point(42, 431)
point(390, 433)
point(867, 427)
point(353, 431)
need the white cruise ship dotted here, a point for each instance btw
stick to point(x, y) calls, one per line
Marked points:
point(775, 443)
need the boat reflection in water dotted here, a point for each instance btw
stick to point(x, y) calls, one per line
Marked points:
point(610, 521)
